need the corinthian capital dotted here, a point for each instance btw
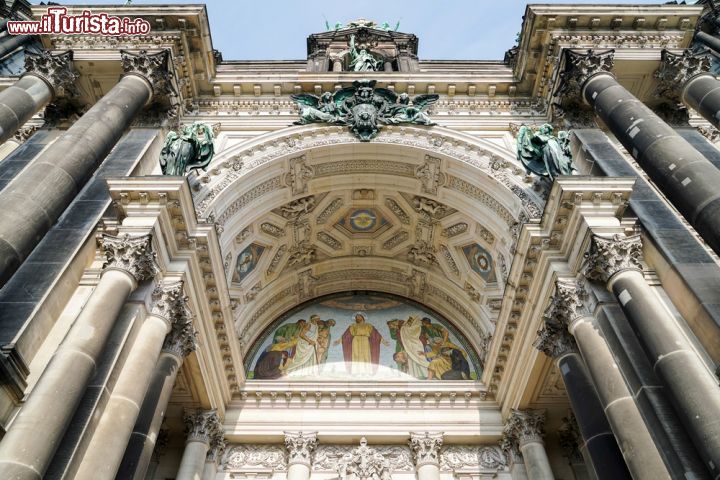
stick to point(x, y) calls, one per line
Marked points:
point(182, 339)
point(609, 256)
point(426, 448)
point(676, 69)
point(153, 67)
point(203, 426)
point(580, 67)
point(300, 447)
point(523, 426)
point(554, 340)
point(132, 255)
point(568, 303)
point(217, 448)
point(55, 70)
point(170, 302)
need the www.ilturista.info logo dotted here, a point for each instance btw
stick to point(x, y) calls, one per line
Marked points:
point(57, 21)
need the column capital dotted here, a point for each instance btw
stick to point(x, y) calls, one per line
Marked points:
point(131, 254)
point(554, 340)
point(152, 67)
point(426, 448)
point(181, 341)
point(217, 448)
point(677, 69)
point(170, 302)
point(56, 70)
point(523, 426)
point(300, 447)
point(580, 66)
point(568, 303)
point(610, 256)
point(204, 426)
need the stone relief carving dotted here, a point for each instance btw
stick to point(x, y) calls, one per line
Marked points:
point(445, 251)
point(181, 341)
point(170, 302)
point(430, 175)
point(152, 67)
point(429, 208)
point(327, 212)
point(395, 240)
point(554, 340)
point(276, 259)
point(472, 292)
point(329, 240)
point(423, 254)
point(609, 256)
point(130, 254)
point(397, 210)
point(522, 426)
point(272, 229)
point(301, 254)
point(709, 132)
point(363, 463)
point(472, 457)
point(677, 69)
point(306, 284)
point(418, 282)
point(579, 67)
point(398, 457)
point(364, 166)
point(298, 208)
point(426, 448)
point(299, 174)
point(454, 230)
point(273, 457)
point(253, 194)
point(478, 194)
point(24, 132)
point(571, 439)
point(300, 447)
point(204, 426)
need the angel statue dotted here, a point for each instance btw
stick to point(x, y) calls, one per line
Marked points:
point(361, 60)
point(406, 112)
point(315, 109)
point(543, 153)
point(190, 149)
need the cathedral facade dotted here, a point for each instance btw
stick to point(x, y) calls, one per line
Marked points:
point(363, 264)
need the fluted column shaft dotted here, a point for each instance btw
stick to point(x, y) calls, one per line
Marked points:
point(300, 447)
point(523, 432)
point(605, 458)
point(36, 198)
point(179, 343)
point(692, 387)
point(106, 449)
point(426, 453)
point(34, 435)
point(683, 174)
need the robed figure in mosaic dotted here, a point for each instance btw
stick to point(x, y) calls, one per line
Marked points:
point(361, 345)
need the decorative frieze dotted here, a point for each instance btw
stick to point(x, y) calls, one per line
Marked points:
point(255, 457)
point(204, 426)
point(55, 69)
point(397, 210)
point(329, 240)
point(426, 448)
point(395, 240)
point(300, 447)
point(131, 254)
point(363, 462)
point(609, 256)
point(472, 457)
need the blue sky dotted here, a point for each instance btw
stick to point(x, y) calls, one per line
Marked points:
point(447, 29)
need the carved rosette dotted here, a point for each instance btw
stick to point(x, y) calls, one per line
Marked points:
point(54, 69)
point(300, 447)
point(204, 426)
point(131, 254)
point(153, 67)
point(181, 341)
point(676, 70)
point(554, 340)
point(426, 448)
point(522, 427)
point(610, 256)
point(580, 67)
point(170, 302)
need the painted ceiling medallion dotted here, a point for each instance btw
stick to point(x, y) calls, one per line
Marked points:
point(367, 222)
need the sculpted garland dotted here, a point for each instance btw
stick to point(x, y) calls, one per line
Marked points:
point(364, 108)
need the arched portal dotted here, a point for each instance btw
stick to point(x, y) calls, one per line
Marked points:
point(427, 214)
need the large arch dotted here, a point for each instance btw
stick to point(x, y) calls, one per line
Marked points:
point(440, 199)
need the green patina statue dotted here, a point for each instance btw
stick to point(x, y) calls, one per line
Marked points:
point(361, 60)
point(190, 149)
point(364, 108)
point(543, 153)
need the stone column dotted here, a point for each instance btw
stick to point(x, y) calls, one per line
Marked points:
point(685, 78)
point(36, 198)
point(555, 341)
point(203, 428)
point(28, 446)
point(633, 437)
point(217, 448)
point(524, 430)
point(683, 174)
point(692, 387)
point(574, 449)
point(426, 453)
point(300, 447)
point(46, 76)
point(179, 343)
point(708, 40)
point(105, 451)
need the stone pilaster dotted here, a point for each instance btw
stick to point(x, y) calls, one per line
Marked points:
point(130, 254)
point(426, 448)
point(56, 70)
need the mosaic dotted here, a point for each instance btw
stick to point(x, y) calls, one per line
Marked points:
point(356, 336)
point(247, 261)
point(480, 261)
